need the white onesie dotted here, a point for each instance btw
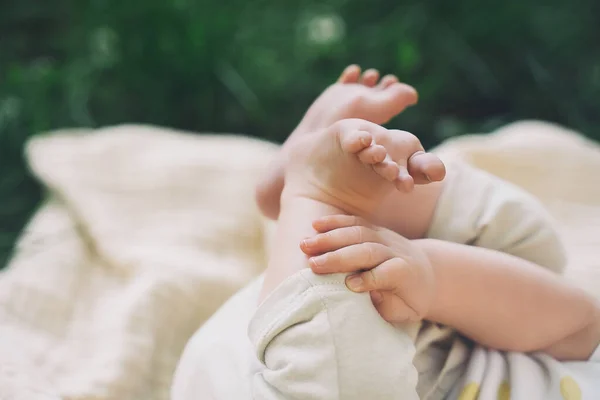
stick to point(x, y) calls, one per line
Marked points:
point(314, 339)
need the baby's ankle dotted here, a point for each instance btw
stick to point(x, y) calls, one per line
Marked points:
point(294, 193)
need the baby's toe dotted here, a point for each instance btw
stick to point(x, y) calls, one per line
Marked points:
point(404, 182)
point(353, 141)
point(387, 169)
point(399, 93)
point(350, 75)
point(370, 77)
point(383, 104)
point(373, 154)
point(387, 81)
point(426, 168)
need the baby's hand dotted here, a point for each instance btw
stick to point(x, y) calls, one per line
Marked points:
point(394, 269)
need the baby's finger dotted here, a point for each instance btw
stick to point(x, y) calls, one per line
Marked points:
point(392, 308)
point(386, 276)
point(332, 222)
point(351, 258)
point(426, 168)
point(337, 239)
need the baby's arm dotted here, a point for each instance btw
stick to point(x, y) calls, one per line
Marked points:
point(496, 299)
point(507, 303)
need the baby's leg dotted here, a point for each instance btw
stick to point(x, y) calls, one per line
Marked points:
point(312, 336)
point(311, 339)
point(411, 214)
point(315, 339)
point(356, 96)
point(348, 168)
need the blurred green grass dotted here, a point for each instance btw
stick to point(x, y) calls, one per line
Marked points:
point(254, 66)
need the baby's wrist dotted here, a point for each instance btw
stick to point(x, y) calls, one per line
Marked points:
point(431, 249)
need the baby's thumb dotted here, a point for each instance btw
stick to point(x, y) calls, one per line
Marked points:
point(392, 308)
point(385, 276)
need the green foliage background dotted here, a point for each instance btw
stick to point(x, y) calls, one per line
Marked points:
point(253, 67)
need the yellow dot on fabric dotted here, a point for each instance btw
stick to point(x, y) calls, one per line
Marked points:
point(469, 392)
point(504, 391)
point(569, 389)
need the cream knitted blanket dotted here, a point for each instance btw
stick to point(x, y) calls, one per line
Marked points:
point(146, 231)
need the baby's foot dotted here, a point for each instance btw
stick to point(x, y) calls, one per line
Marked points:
point(353, 96)
point(354, 164)
point(356, 96)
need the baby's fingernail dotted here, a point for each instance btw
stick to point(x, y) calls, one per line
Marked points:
point(376, 297)
point(319, 260)
point(354, 282)
point(428, 178)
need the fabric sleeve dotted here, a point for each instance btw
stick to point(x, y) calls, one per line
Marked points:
point(480, 209)
point(315, 339)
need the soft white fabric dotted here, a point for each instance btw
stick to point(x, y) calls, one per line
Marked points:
point(147, 231)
